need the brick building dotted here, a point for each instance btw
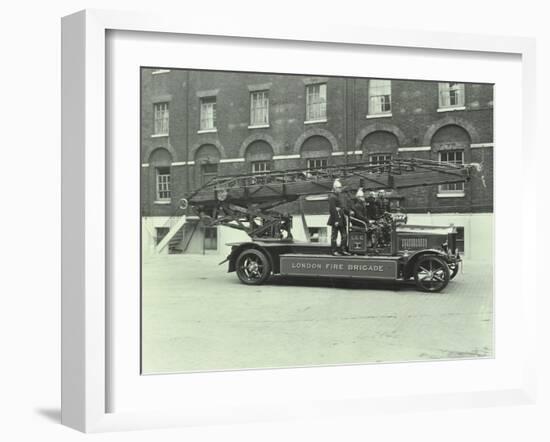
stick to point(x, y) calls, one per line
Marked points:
point(198, 124)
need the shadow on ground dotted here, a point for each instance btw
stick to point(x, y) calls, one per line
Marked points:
point(51, 414)
point(345, 284)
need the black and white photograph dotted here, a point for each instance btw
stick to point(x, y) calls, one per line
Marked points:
point(295, 220)
point(298, 222)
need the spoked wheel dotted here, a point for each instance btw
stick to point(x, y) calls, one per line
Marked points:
point(253, 267)
point(453, 268)
point(431, 273)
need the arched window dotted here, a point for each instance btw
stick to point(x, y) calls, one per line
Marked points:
point(259, 154)
point(379, 146)
point(451, 143)
point(317, 151)
point(161, 161)
point(207, 159)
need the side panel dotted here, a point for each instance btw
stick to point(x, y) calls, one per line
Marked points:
point(339, 267)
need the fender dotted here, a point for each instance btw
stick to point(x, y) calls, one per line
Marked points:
point(410, 260)
point(237, 249)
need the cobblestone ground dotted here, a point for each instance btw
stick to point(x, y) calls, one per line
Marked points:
point(196, 316)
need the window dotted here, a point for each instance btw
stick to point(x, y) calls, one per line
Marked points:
point(161, 119)
point(163, 184)
point(451, 95)
point(161, 233)
point(379, 97)
point(460, 239)
point(261, 166)
point(208, 171)
point(210, 238)
point(318, 234)
point(317, 163)
point(259, 108)
point(208, 113)
point(379, 158)
point(453, 157)
point(316, 102)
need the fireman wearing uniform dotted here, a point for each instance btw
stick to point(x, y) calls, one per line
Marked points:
point(365, 210)
point(338, 209)
point(382, 204)
point(359, 206)
point(370, 206)
point(384, 219)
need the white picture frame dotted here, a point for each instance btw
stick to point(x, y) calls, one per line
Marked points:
point(85, 233)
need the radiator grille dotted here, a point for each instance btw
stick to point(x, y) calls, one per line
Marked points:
point(414, 243)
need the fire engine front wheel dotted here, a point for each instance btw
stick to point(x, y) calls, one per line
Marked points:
point(253, 267)
point(431, 273)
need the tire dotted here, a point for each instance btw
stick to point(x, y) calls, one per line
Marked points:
point(453, 268)
point(252, 267)
point(431, 273)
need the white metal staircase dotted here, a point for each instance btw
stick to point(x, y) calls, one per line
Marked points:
point(174, 229)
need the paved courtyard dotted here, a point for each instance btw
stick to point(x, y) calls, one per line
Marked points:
point(196, 316)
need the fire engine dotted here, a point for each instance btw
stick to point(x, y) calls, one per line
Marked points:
point(386, 248)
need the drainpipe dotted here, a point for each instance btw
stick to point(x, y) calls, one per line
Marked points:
point(354, 115)
point(187, 86)
point(346, 128)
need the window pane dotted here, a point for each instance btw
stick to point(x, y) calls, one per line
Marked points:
point(259, 108)
point(318, 234)
point(451, 94)
point(460, 239)
point(161, 118)
point(316, 102)
point(208, 172)
point(208, 113)
point(379, 96)
point(379, 158)
point(163, 183)
point(452, 157)
point(261, 166)
point(210, 238)
point(317, 163)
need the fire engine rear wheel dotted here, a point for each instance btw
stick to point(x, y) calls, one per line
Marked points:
point(253, 267)
point(431, 273)
point(453, 268)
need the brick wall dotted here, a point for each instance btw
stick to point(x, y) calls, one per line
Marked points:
point(414, 123)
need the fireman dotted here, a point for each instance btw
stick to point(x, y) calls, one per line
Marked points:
point(382, 204)
point(370, 205)
point(365, 211)
point(359, 206)
point(338, 209)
